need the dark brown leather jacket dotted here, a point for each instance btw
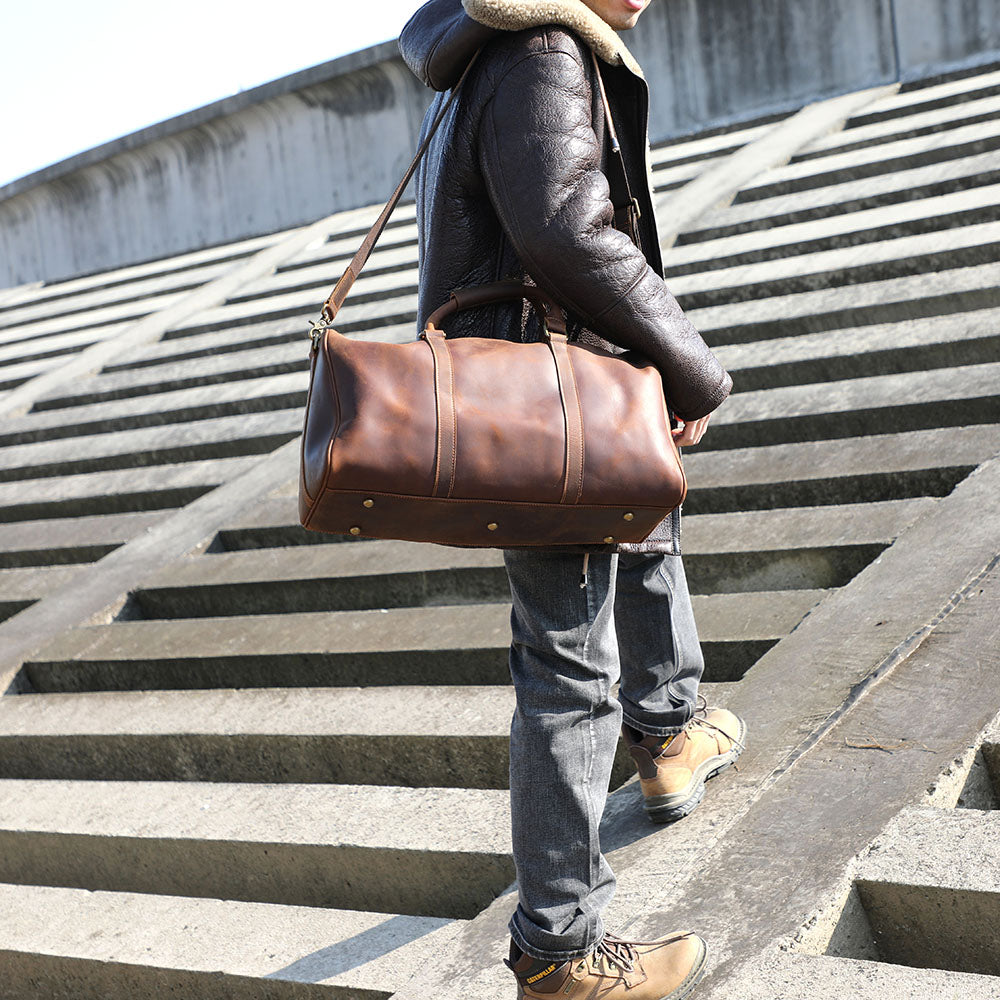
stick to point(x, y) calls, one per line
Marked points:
point(515, 184)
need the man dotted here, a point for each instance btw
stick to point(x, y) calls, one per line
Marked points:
point(521, 180)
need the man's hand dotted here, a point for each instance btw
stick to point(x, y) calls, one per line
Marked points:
point(690, 433)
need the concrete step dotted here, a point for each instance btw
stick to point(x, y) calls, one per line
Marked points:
point(433, 736)
point(221, 437)
point(779, 549)
point(812, 548)
point(11, 376)
point(433, 645)
point(989, 752)
point(894, 300)
point(170, 375)
point(210, 344)
point(72, 287)
point(382, 300)
point(871, 161)
point(71, 540)
point(915, 98)
point(914, 183)
point(848, 470)
point(848, 230)
point(919, 121)
point(783, 976)
point(129, 311)
point(121, 491)
point(930, 889)
point(887, 349)
point(908, 401)
point(144, 293)
point(254, 336)
point(72, 944)
point(423, 851)
point(900, 257)
point(814, 257)
point(19, 349)
point(275, 392)
point(379, 574)
point(20, 588)
point(711, 143)
point(398, 256)
point(94, 391)
point(295, 292)
point(10, 297)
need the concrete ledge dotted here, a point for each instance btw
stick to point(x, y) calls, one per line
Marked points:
point(433, 645)
point(426, 851)
point(930, 889)
point(434, 736)
point(796, 977)
point(71, 944)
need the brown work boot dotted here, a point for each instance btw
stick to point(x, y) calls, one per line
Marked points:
point(668, 969)
point(673, 770)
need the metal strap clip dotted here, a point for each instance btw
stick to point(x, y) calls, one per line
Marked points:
point(316, 331)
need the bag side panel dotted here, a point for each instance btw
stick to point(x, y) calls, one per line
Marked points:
point(320, 425)
point(387, 427)
point(629, 454)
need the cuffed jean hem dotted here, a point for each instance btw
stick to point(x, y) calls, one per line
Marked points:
point(649, 730)
point(651, 723)
point(549, 955)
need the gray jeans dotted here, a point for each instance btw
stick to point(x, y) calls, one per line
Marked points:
point(633, 619)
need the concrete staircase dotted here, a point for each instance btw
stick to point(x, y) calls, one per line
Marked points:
point(239, 759)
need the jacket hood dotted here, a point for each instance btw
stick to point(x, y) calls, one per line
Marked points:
point(443, 35)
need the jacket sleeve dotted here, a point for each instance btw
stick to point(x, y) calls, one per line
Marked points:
point(540, 160)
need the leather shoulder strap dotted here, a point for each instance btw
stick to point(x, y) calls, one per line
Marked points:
point(340, 291)
point(336, 299)
point(626, 206)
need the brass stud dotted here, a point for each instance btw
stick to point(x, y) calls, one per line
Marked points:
point(492, 526)
point(629, 516)
point(608, 540)
point(355, 530)
point(368, 503)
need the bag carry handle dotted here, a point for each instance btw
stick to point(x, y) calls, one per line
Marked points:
point(550, 315)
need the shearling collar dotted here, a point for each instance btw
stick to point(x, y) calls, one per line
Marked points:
point(516, 15)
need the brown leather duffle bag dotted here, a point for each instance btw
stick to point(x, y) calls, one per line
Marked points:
point(478, 441)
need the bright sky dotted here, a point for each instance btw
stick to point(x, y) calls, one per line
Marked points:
point(76, 73)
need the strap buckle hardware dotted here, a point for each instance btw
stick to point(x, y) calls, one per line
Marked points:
point(316, 331)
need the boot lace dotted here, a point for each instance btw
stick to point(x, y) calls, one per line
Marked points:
point(700, 718)
point(616, 953)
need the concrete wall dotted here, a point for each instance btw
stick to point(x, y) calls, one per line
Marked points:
point(339, 135)
point(336, 136)
point(710, 61)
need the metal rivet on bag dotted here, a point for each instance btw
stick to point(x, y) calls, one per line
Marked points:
point(608, 540)
point(629, 516)
point(492, 526)
point(368, 503)
point(355, 531)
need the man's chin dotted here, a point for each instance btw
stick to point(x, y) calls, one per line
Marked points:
point(625, 21)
